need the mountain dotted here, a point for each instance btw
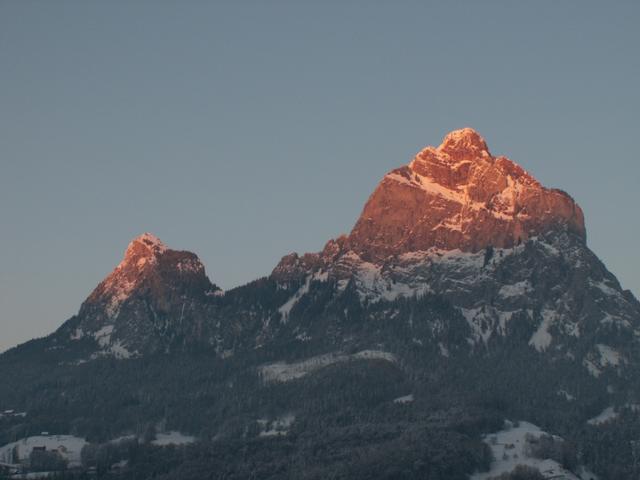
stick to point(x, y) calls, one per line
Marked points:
point(154, 300)
point(484, 235)
point(465, 299)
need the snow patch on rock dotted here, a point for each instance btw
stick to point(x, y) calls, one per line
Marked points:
point(603, 417)
point(285, 372)
point(541, 339)
point(406, 399)
point(608, 356)
point(103, 336)
point(173, 438)
point(278, 427)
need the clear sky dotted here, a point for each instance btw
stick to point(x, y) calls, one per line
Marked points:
point(244, 130)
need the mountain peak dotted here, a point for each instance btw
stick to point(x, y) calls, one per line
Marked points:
point(462, 143)
point(146, 244)
point(153, 289)
point(459, 196)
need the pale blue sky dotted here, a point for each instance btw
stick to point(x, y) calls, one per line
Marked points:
point(246, 130)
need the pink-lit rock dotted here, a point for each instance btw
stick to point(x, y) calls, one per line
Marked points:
point(459, 196)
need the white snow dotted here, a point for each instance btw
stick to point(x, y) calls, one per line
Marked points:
point(103, 336)
point(406, 399)
point(12, 413)
point(33, 475)
point(374, 286)
point(475, 317)
point(604, 356)
point(119, 351)
point(407, 278)
point(285, 309)
point(512, 447)
point(227, 353)
point(77, 334)
point(190, 265)
point(303, 337)
point(567, 396)
point(604, 288)
point(118, 288)
point(123, 438)
point(368, 277)
point(460, 195)
point(571, 328)
point(611, 413)
point(285, 372)
point(608, 356)
point(375, 355)
point(321, 276)
point(615, 320)
point(279, 426)
point(150, 241)
point(503, 319)
point(115, 348)
point(515, 290)
point(141, 262)
point(605, 416)
point(172, 438)
point(68, 446)
point(541, 339)
point(430, 186)
point(592, 367)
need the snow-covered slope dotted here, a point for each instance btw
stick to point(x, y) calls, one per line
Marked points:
point(571, 304)
point(521, 444)
point(68, 446)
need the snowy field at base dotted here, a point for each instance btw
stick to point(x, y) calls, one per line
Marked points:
point(33, 475)
point(511, 447)
point(172, 438)
point(69, 447)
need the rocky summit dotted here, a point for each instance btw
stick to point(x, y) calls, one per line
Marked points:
point(156, 298)
point(459, 196)
point(462, 329)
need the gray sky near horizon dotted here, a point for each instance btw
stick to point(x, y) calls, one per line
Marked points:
point(245, 130)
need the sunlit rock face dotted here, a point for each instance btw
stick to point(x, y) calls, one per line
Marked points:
point(459, 196)
point(155, 295)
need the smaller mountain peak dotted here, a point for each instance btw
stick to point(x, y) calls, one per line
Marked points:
point(465, 142)
point(146, 244)
point(153, 285)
